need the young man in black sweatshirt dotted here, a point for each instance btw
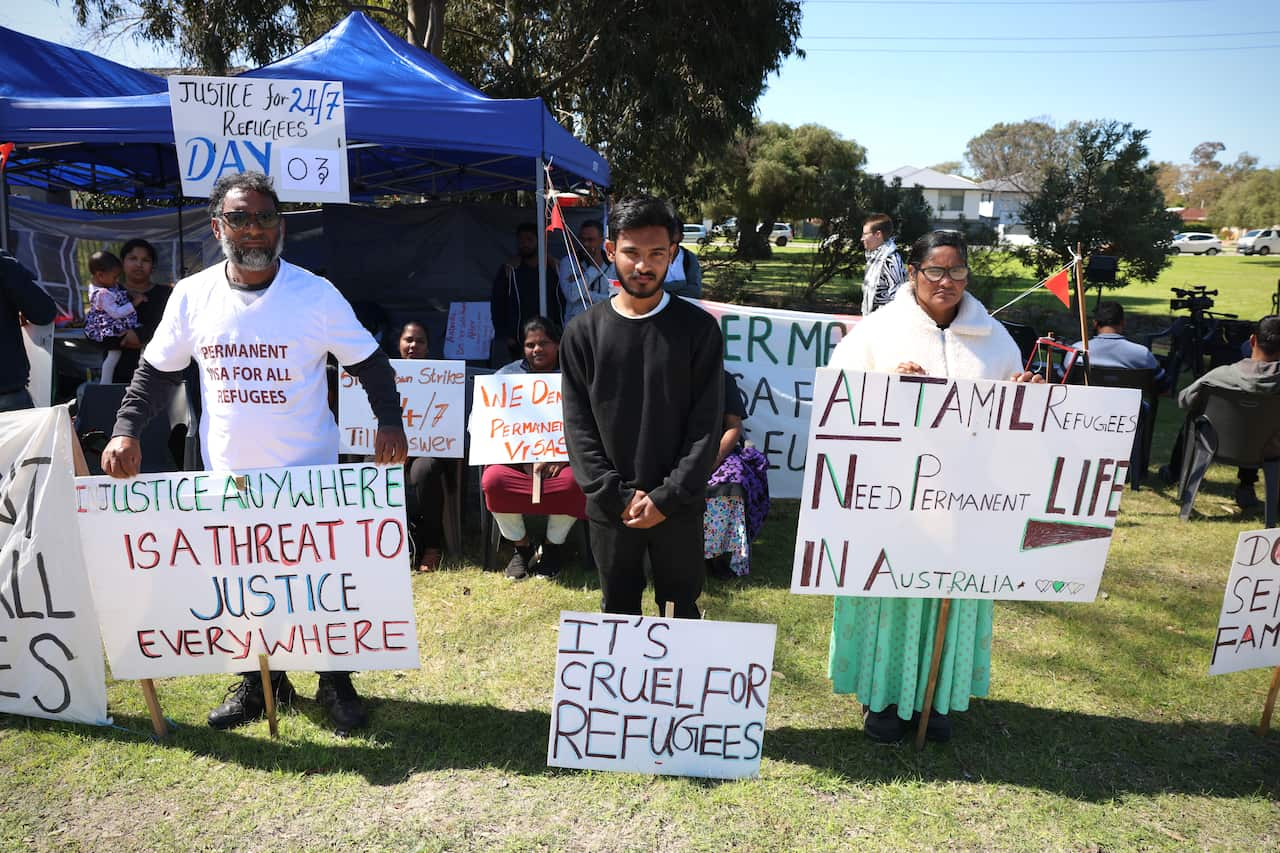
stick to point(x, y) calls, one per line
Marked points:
point(643, 388)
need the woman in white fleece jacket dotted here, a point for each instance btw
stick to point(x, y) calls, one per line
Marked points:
point(881, 647)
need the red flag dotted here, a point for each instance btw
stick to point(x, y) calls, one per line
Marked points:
point(557, 219)
point(5, 151)
point(1060, 286)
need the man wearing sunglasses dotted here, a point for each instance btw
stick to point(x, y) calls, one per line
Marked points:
point(260, 331)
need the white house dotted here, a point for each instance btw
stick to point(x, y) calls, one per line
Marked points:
point(996, 202)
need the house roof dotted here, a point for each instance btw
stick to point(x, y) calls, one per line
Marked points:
point(1193, 214)
point(928, 178)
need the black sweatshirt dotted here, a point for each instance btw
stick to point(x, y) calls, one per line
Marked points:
point(18, 294)
point(643, 406)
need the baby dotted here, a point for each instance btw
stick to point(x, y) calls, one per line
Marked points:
point(112, 310)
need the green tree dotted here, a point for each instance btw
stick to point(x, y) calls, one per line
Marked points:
point(1206, 178)
point(775, 171)
point(1020, 153)
point(1106, 198)
point(949, 167)
point(1253, 202)
point(652, 84)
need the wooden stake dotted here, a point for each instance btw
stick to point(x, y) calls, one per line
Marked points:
point(268, 694)
point(158, 723)
point(939, 637)
point(1084, 326)
point(537, 487)
point(1270, 705)
point(149, 695)
point(669, 610)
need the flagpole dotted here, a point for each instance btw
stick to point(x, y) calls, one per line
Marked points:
point(1078, 262)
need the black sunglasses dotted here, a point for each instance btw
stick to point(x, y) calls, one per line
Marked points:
point(238, 219)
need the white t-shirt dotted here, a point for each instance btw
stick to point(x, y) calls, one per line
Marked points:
point(262, 364)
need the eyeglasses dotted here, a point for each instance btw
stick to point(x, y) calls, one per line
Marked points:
point(936, 274)
point(238, 219)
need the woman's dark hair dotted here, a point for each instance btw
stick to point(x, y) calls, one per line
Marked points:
point(644, 212)
point(423, 326)
point(138, 243)
point(539, 323)
point(921, 248)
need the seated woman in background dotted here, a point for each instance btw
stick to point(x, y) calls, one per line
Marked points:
point(737, 494)
point(881, 648)
point(423, 474)
point(508, 489)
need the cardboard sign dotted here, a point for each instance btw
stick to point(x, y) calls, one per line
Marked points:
point(920, 486)
point(202, 571)
point(1248, 634)
point(432, 407)
point(772, 355)
point(294, 131)
point(50, 654)
point(517, 418)
point(470, 331)
point(679, 697)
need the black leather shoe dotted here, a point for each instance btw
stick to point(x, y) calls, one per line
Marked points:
point(245, 702)
point(548, 564)
point(338, 696)
point(884, 726)
point(938, 728)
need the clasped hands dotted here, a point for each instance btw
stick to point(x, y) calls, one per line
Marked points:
point(642, 513)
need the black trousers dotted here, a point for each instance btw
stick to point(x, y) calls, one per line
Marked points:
point(675, 554)
point(424, 476)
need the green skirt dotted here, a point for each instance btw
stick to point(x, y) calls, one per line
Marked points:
point(881, 649)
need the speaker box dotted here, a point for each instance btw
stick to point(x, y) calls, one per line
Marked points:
point(1101, 269)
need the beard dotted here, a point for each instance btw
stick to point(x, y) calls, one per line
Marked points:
point(641, 288)
point(256, 259)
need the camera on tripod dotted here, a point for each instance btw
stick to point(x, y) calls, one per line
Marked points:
point(1194, 300)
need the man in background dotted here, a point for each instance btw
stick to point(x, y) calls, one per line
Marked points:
point(21, 301)
point(885, 270)
point(514, 299)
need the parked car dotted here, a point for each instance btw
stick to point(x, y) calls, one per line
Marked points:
point(780, 234)
point(1195, 243)
point(694, 234)
point(1259, 241)
point(728, 228)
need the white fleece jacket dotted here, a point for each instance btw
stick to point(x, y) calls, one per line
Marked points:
point(974, 346)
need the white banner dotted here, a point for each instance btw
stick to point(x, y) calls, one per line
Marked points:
point(517, 418)
point(294, 131)
point(470, 331)
point(50, 654)
point(1248, 634)
point(202, 571)
point(432, 408)
point(772, 355)
point(679, 697)
point(919, 486)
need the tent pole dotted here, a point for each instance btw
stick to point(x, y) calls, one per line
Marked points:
point(540, 199)
point(4, 205)
point(182, 247)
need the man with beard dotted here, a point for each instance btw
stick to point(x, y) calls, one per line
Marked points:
point(643, 381)
point(260, 331)
point(514, 298)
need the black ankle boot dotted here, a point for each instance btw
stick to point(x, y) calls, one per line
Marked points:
point(337, 695)
point(245, 702)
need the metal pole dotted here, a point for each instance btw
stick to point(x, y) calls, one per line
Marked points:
point(182, 248)
point(4, 207)
point(540, 199)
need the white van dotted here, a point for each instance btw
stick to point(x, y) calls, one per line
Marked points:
point(1259, 241)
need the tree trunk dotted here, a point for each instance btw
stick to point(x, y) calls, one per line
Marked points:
point(753, 242)
point(426, 24)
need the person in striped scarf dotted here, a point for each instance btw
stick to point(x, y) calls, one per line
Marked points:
point(885, 270)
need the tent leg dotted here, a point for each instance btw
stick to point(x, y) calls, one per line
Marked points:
point(540, 199)
point(4, 206)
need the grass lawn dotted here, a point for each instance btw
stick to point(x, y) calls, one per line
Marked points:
point(1102, 730)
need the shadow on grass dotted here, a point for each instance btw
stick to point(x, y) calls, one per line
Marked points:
point(1078, 755)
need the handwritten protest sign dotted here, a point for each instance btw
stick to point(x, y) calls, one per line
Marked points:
point(294, 131)
point(1248, 634)
point(50, 654)
point(517, 418)
point(772, 355)
point(470, 330)
point(919, 486)
point(679, 697)
point(432, 407)
point(200, 572)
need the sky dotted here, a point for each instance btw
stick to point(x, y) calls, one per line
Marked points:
point(913, 81)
